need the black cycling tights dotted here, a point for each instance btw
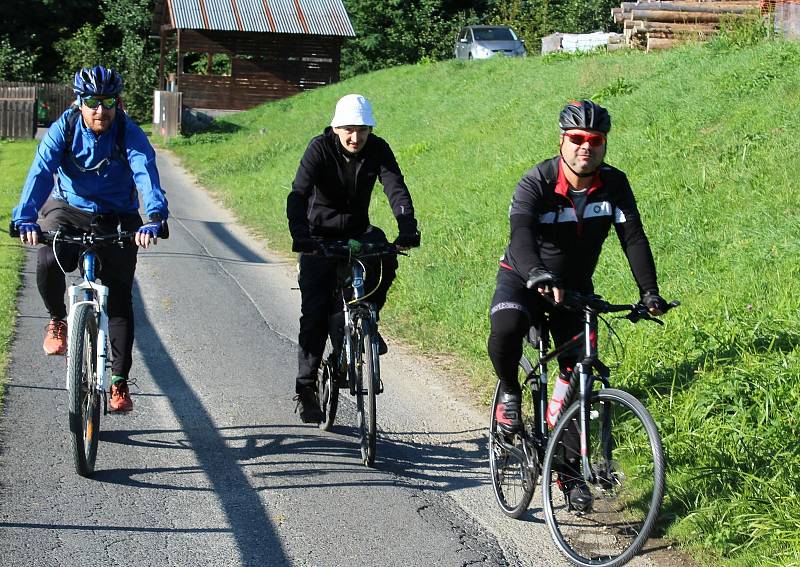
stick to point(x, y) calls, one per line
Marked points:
point(508, 328)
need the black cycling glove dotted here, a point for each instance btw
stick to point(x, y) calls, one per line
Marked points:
point(653, 301)
point(540, 277)
point(409, 236)
point(408, 240)
point(304, 245)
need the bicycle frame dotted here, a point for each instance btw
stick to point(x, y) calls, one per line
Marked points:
point(586, 377)
point(90, 292)
point(354, 309)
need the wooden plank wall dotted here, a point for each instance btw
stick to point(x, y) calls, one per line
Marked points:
point(17, 118)
point(264, 67)
point(57, 96)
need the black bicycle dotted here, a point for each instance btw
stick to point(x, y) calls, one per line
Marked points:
point(353, 361)
point(88, 352)
point(605, 445)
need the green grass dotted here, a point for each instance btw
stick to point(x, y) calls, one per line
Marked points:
point(15, 159)
point(707, 137)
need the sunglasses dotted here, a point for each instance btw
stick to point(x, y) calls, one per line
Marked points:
point(94, 102)
point(580, 138)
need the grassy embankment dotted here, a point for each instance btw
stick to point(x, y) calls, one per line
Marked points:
point(15, 159)
point(707, 137)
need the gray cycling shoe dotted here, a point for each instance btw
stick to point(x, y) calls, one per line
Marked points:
point(580, 498)
point(308, 404)
point(508, 411)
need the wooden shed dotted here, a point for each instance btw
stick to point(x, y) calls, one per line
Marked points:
point(237, 54)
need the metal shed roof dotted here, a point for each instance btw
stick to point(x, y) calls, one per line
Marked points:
point(314, 17)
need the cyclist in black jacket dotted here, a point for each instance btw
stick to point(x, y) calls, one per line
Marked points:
point(330, 200)
point(560, 215)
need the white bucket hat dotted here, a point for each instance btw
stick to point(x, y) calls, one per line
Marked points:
point(353, 110)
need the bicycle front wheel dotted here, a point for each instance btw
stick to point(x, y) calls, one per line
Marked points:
point(513, 480)
point(84, 398)
point(367, 377)
point(607, 519)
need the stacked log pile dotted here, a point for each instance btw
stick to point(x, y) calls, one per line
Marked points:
point(660, 25)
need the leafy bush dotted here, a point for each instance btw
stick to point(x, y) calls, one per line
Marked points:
point(16, 64)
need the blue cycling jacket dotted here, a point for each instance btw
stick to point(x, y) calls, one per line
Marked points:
point(110, 189)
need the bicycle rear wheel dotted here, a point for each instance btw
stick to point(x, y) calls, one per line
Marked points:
point(328, 393)
point(627, 487)
point(513, 480)
point(367, 377)
point(84, 398)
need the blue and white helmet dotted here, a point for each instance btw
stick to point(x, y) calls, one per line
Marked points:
point(96, 81)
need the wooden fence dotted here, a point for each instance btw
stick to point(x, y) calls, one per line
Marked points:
point(167, 108)
point(53, 99)
point(17, 112)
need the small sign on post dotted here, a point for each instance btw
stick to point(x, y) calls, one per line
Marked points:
point(167, 107)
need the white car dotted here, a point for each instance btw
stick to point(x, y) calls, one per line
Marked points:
point(482, 42)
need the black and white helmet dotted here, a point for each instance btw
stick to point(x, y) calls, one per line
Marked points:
point(585, 115)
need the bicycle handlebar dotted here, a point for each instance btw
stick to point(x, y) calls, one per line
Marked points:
point(87, 238)
point(576, 301)
point(342, 249)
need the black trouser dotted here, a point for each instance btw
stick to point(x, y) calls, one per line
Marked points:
point(515, 308)
point(319, 301)
point(116, 267)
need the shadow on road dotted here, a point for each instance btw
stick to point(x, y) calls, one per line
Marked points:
point(249, 522)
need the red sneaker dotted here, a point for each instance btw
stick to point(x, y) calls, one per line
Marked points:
point(55, 337)
point(120, 397)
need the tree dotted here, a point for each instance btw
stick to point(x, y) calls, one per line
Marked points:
point(396, 32)
point(83, 49)
point(35, 26)
point(534, 19)
point(16, 64)
point(135, 56)
point(120, 42)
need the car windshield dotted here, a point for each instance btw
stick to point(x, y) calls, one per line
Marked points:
point(494, 34)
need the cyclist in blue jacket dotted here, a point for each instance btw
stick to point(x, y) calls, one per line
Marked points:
point(102, 160)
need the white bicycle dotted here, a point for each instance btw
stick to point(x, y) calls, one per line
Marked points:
point(88, 353)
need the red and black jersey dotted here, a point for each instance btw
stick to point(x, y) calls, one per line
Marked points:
point(547, 233)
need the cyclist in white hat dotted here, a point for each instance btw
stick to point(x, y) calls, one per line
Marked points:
point(330, 200)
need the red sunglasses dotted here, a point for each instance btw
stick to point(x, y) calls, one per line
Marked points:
point(580, 138)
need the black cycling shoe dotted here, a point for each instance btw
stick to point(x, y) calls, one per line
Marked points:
point(508, 412)
point(579, 497)
point(383, 348)
point(308, 404)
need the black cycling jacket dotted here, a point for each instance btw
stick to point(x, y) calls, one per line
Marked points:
point(330, 197)
point(545, 232)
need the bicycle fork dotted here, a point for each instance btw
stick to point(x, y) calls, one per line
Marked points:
point(586, 379)
point(99, 306)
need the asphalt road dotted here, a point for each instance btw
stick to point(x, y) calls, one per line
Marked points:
point(213, 467)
